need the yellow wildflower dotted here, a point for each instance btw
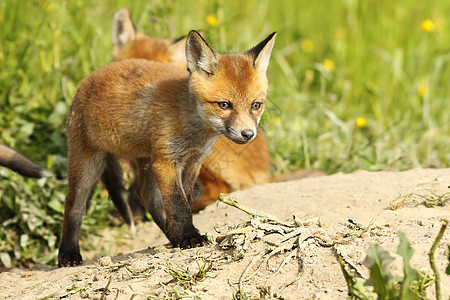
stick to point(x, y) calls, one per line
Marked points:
point(422, 89)
point(212, 20)
point(427, 25)
point(307, 45)
point(360, 122)
point(328, 64)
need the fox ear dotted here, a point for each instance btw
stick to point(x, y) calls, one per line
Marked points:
point(261, 53)
point(199, 56)
point(124, 31)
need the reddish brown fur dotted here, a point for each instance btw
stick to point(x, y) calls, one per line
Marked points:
point(107, 93)
point(150, 49)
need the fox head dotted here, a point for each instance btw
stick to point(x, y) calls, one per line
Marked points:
point(231, 87)
point(128, 42)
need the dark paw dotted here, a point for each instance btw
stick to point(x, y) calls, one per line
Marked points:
point(193, 242)
point(69, 260)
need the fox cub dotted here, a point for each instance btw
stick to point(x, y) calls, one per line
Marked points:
point(229, 166)
point(166, 121)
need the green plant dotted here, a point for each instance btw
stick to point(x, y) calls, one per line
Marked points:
point(82, 290)
point(431, 257)
point(105, 290)
point(265, 293)
point(186, 278)
point(170, 293)
point(447, 271)
point(30, 218)
point(240, 295)
point(31, 213)
point(383, 284)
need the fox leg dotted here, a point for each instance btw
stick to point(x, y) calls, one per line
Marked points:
point(84, 173)
point(193, 197)
point(191, 186)
point(113, 181)
point(149, 193)
point(173, 211)
point(133, 199)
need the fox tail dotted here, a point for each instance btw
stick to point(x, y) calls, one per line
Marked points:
point(18, 163)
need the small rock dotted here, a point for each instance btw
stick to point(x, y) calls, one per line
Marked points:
point(104, 261)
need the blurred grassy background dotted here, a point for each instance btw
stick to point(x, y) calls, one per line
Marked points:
point(354, 85)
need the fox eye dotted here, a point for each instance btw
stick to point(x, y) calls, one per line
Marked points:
point(225, 105)
point(256, 105)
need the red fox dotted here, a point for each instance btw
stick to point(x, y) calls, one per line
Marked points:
point(18, 163)
point(165, 121)
point(229, 166)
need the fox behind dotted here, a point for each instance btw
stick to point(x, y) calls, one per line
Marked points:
point(166, 121)
point(128, 42)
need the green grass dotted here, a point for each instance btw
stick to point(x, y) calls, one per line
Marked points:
point(380, 53)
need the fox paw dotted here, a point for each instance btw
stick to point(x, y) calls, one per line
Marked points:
point(193, 242)
point(69, 260)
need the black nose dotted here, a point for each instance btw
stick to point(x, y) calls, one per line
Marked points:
point(247, 134)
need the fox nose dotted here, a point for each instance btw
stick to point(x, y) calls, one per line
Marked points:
point(247, 134)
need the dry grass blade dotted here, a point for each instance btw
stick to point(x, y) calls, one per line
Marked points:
point(249, 266)
point(300, 267)
point(283, 263)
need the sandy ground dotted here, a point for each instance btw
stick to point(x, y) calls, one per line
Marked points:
point(308, 256)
